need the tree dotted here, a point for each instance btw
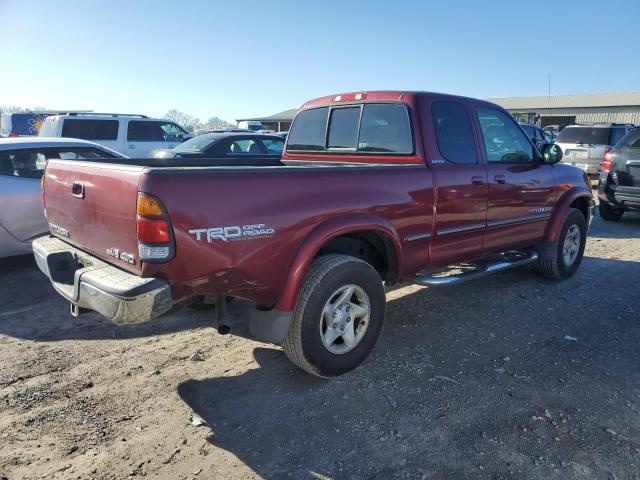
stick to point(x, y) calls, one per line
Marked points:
point(216, 122)
point(10, 109)
point(185, 120)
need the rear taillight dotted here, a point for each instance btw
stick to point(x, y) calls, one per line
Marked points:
point(13, 134)
point(606, 161)
point(153, 229)
point(44, 203)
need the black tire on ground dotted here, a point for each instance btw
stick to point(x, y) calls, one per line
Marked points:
point(608, 213)
point(303, 344)
point(551, 262)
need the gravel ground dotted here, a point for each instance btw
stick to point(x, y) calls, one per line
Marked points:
point(509, 377)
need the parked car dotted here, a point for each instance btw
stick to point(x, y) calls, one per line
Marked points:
point(19, 124)
point(619, 183)
point(376, 187)
point(536, 134)
point(283, 133)
point(131, 135)
point(22, 161)
point(585, 146)
point(248, 147)
point(552, 131)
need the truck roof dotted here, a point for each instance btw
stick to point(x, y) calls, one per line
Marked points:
point(405, 96)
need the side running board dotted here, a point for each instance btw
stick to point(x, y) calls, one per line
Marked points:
point(509, 260)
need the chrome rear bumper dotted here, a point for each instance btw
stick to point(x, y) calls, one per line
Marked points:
point(90, 283)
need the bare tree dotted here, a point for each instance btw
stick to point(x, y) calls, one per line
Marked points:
point(10, 109)
point(216, 122)
point(185, 120)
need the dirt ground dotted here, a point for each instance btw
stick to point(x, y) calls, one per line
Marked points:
point(509, 377)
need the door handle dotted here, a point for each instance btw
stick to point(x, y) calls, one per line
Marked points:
point(499, 179)
point(131, 147)
point(477, 180)
point(77, 189)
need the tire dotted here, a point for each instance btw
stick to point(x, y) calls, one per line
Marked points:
point(552, 262)
point(328, 281)
point(608, 213)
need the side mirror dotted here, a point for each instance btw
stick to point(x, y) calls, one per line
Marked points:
point(551, 153)
point(186, 136)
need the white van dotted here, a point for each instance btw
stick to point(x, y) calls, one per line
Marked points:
point(130, 135)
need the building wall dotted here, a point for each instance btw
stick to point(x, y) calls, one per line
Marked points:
point(590, 115)
point(276, 126)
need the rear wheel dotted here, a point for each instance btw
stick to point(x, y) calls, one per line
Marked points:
point(563, 258)
point(608, 213)
point(338, 316)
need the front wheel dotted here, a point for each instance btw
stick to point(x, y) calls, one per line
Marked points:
point(563, 258)
point(608, 213)
point(338, 316)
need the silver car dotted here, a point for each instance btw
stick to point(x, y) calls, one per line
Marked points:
point(585, 146)
point(22, 161)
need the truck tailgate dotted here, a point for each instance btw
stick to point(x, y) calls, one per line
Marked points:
point(93, 206)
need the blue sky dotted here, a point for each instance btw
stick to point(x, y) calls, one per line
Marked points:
point(246, 58)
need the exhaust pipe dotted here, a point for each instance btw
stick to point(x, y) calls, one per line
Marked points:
point(222, 315)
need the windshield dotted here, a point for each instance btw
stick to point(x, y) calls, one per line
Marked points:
point(585, 135)
point(196, 144)
point(630, 140)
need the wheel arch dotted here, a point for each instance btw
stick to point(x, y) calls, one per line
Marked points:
point(576, 197)
point(340, 235)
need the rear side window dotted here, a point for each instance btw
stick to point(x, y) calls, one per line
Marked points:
point(90, 129)
point(273, 146)
point(584, 135)
point(244, 147)
point(143, 132)
point(309, 130)
point(22, 163)
point(374, 128)
point(453, 132)
point(385, 128)
point(83, 154)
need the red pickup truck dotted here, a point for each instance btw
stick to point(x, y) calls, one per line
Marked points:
point(373, 188)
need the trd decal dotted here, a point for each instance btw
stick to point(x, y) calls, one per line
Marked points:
point(540, 210)
point(233, 233)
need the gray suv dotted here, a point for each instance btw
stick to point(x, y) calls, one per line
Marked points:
point(585, 146)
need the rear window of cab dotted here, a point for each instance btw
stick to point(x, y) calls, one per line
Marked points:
point(381, 128)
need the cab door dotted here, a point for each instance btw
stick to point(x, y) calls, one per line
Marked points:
point(521, 187)
point(460, 180)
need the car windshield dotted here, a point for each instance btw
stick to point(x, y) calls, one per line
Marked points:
point(585, 135)
point(630, 141)
point(196, 144)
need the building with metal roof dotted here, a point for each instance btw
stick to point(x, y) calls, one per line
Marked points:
point(623, 107)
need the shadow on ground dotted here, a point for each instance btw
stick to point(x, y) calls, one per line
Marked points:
point(474, 381)
point(31, 309)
